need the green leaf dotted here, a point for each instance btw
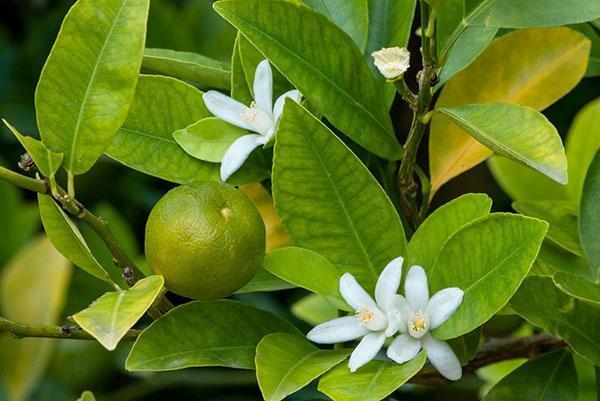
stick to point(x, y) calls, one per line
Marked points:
point(309, 270)
point(373, 382)
point(487, 259)
point(239, 85)
point(208, 139)
point(313, 54)
point(537, 13)
point(110, 317)
point(17, 217)
point(428, 240)
point(314, 309)
point(329, 202)
point(47, 161)
point(390, 24)
point(465, 347)
point(514, 131)
point(188, 66)
point(66, 237)
point(589, 214)
point(264, 281)
point(87, 396)
point(592, 33)
point(582, 147)
point(285, 363)
point(542, 304)
point(352, 16)
point(553, 258)
point(578, 287)
point(532, 67)
point(550, 377)
point(33, 287)
point(523, 183)
point(562, 217)
point(88, 81)
point(215, 333)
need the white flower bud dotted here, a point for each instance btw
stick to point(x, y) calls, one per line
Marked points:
point(392, 62)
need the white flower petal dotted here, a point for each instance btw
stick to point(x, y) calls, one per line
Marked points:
point(263, 87)
point(442, 305)
point(395, 322)
point(405, 310)
point(238, 153)
point(227, 109)
point(403, 348)
point(388, 283)
point(378, 320)
point(280, 102)
point(366, 350)
point(337, 330)
point(416, 288)
point(442, 357)
point(354, 294)
point(259, 121)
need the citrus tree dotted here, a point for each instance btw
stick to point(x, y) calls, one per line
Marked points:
point(299, 168)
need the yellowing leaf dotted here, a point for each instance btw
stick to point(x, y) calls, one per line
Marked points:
point(32, 290)
point(532, 67)
point(276, 235)
point(110, 317)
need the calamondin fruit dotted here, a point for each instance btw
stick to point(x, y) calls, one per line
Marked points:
point(260, 117)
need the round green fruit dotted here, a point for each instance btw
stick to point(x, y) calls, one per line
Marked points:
point(206, 239)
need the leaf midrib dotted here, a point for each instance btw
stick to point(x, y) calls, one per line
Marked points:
point(291, 369)
point(87, 90)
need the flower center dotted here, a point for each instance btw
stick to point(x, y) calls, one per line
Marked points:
point(251, 113)
point(364, 315)
point(418, 324)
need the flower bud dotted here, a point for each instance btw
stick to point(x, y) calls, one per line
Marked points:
point(392, 62)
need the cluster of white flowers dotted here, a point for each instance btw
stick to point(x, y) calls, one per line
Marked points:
point(413, 316)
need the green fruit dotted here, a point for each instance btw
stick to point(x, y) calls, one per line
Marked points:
point(206, 239)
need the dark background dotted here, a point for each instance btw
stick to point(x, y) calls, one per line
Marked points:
point(27, 31)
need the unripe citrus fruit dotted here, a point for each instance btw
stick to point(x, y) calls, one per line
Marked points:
point(206, 239)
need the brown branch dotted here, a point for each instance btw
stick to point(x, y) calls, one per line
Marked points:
point(496, 350)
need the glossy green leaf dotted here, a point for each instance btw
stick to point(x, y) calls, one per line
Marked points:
point(592, 32)
point(215, 333)
point(314, 309)
point(313, 54)
point(550, 377)
point(33, 287)
point(239, 85)
point(46, 161)
point(535, 13)
point(17, 217)
point(514, 131)
point(208, 139)
point(523, 183)
point(582, 146)
point(285, 363)
point(66, 237)
point(161, 106)
point(110, 317)
point(264, 281)
point(542, 304)
point(487, 259)
point(188, 66)
point(87, 396)
point(88, 81)
point(329, 202)
point(352, 16)
point(428, 240)
point(390, 24)
point(578, 287)
point(465, 347)
point(553, 258)
point(307, 269)
point(562, 217)
point(373, 382)
point(589, 214)
point(532, 67)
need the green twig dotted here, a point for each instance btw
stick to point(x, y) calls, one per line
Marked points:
point(20, 330)
point(22, 181)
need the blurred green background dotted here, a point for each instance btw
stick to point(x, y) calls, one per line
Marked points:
point(27, 31)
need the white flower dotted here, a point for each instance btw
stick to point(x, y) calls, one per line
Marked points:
point(420, 314)
point(261, 117)
point(373, 321)
point(392, 62)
